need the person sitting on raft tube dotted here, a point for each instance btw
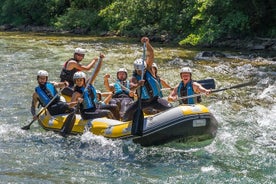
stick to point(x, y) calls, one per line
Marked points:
point(150, 96)
point(122, 95)
point(162, 84)
point(161, 81)
point(187, 87)
point(73, 65)
point(45, 92)
point(88, 99)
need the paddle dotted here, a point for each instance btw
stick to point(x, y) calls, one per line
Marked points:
point(69, 122)
point(71, 118)
point(217, 90)
point(206, 83)
point(27, 127)
point(138, 117)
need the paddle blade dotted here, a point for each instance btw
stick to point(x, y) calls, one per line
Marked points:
point(68, 124)
point(138, 123)
point(207, 83)
point(27, 127)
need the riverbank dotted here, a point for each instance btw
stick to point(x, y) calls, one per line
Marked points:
point(250, 44)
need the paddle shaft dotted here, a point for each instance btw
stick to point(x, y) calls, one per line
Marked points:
point(94, 72)
point(235, 86)
point(164, 89)
point(138, 117)
point(218, 90)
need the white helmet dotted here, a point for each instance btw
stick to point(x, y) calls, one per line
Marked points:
point(79, 75)
point(186, 70)
point(138, 64)
point(42, 73)
point(155, 66)
point(122, 70)
point(79, 51)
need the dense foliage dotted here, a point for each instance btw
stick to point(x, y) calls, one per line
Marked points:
point(187, 21)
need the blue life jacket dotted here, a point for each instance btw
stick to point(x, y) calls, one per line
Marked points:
point(89, 97)
point(159, 81)
point(186, 91)
point(118, 88)
point(45, 98)
point(151, 87)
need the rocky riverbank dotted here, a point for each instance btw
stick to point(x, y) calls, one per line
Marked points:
point(251, 44)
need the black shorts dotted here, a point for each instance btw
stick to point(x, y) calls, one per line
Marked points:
point(59, 108)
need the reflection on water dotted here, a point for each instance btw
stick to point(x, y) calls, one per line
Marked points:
point(242, 152)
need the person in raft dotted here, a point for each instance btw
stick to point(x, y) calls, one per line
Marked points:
point(45, 92)
point(71, 66)
point(122, 95)
point(151, 92)
point(88, 99)
point(187, 87)
point(162, 84)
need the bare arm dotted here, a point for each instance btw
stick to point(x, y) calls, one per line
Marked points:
point(165, 84)
point(107, 99)
point(34, 105)
point(106, 83)
point(133, 84)
point(60, 84)
point(198, 88)
point(76, 97)
point(173, 95)
point(149, 54)
point(73, 64)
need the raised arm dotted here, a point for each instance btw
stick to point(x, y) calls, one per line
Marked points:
point(97, 69)
point(150, 52)
point(106, 83)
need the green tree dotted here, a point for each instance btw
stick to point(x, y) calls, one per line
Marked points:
point(27, 12)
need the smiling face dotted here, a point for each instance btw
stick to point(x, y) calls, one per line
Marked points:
point(186, 77)
point(79, 82)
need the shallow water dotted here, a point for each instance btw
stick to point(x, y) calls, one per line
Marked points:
point(244, 150)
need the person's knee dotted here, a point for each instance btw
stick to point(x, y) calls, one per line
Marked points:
point(110, 115)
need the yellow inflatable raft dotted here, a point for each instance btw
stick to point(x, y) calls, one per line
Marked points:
point(176, 123)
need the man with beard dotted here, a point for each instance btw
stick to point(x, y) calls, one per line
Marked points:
point(45, 92)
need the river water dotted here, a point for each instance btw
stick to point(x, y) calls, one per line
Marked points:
point(244, 150)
